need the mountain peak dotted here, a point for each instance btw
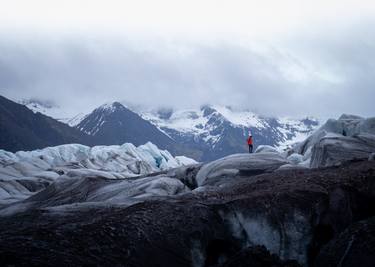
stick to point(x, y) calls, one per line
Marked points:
point(111, 107)
point(207, 110)
point(115, 124)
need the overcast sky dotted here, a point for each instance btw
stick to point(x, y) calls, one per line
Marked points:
point(275, 57)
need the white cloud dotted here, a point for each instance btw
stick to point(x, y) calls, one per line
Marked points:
point(286, 57)
point(248, 18)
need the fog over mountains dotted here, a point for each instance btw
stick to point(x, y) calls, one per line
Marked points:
point(203, 134)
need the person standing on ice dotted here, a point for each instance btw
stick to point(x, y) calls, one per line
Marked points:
point(250, 142)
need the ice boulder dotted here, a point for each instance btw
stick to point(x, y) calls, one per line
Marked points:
point(225, 169)
point(349, 137)
point(295, 158)
point(184, 161)
point(333, 150)
point(160, 159)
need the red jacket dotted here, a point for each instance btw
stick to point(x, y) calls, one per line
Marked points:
point(250, 140)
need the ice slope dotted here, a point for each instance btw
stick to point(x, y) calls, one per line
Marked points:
point(23, 173)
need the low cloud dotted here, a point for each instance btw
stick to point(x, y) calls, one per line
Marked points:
point(321, 77)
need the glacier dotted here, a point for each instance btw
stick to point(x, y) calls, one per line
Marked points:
point(25, 172)
point(347, 138)
point(126, 200)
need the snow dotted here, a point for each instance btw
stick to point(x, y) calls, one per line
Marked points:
point(300, 131)
point(64, 115)
point(52, 110)
point(72, 122)
point(98, 117)
point(241, 118)
point(193, 121)
point(110, 107)
point(186, 120)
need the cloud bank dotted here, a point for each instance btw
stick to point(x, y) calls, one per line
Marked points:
point(323, 69)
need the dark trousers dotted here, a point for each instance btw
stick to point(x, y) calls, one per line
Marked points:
point(250, 148)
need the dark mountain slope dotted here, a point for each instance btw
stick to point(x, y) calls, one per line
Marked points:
point(22, 129)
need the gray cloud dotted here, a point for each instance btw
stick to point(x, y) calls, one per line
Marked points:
point(322, 77)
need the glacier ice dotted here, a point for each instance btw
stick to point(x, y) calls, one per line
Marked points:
point(349, 137)
point(265, 148)
point(25, 172)
point(295, 158)
point(225, 169)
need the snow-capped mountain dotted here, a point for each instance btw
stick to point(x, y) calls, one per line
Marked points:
point(205, 123)
point(204, 134)
point(114, 124)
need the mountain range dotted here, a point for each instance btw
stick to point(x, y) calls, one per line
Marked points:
point(206, 133)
